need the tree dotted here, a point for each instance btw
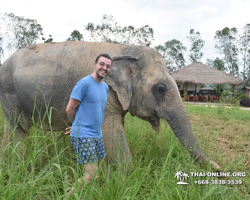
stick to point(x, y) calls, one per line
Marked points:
point(49, 40)
point(110, 31)
point(196, 45)
point(244, 43)
point(217, 64)
point(1, 48)
point(75, 36)
point(172, 53)
point(178, 174)
point(21, 32)
point(105, 32)
point(226, 44)
point(141, 36)
point(185, 176)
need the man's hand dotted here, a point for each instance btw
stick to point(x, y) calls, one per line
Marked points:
point(68, 130)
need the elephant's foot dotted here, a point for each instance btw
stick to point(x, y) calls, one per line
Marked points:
point(204, 159)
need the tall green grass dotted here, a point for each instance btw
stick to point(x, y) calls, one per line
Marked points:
point(50, 168)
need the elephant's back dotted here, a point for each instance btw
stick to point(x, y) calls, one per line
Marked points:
point(49, 71)
point(59, 64)
point(47, 63)
point(63, 56)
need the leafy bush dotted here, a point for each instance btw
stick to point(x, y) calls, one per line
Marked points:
point(242, 96)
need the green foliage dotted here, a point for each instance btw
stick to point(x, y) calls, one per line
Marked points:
point(1, 46)
point(173, 54)
point(243, 96)
point(227, 99)
point(110, 31)
point(21, 32)
point(50, 168)
point(49, 40)
point(196, 45)
point(226, 95)
point(217, 63)
point(226, 45)
point(185, 91)
point(244, 43)
point(75, 36)
point(1, 121)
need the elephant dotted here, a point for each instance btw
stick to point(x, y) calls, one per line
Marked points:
point(39, 78)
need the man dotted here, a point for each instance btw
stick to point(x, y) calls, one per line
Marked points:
point(85, 110)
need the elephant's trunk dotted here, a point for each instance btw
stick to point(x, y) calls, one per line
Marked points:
point(180, 124)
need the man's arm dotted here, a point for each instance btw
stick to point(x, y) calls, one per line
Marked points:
point(71, 109)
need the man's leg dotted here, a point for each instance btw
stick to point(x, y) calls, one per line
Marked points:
point(91, 169)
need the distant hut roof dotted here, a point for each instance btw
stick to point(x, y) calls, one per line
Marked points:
point(199, 73)
point(207, 88)
point(244, 88)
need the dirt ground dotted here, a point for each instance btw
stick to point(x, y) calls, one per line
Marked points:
point(228, 140)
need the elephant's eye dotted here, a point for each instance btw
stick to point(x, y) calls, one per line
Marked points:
point(159, 90)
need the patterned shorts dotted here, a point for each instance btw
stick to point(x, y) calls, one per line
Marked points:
point(88, 150)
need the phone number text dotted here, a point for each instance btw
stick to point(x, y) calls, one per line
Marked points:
point(219, 182)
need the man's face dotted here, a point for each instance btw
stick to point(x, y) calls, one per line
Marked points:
point(102, 67)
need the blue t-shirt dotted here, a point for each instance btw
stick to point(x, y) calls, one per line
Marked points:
point(90, 112)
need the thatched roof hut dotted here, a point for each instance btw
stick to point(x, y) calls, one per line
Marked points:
point(198, 73)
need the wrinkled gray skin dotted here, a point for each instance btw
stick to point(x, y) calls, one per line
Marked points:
point(139, 83)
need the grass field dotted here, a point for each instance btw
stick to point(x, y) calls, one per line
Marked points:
point(223, 134)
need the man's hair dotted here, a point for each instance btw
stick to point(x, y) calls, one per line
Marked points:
point(102, 55)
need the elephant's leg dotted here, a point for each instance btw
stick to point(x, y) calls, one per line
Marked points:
point(6, 135)
point(14, 134)
point(115, 140)
point(15, 119)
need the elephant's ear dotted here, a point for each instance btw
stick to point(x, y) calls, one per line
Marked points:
point(120, 78)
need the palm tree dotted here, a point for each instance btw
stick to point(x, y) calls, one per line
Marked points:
point(185, 176)
point(179, 174)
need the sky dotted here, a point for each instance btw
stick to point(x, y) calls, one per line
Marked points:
point(170, 19)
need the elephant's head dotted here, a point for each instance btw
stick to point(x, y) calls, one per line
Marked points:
point(145, 89)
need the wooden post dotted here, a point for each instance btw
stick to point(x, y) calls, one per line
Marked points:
point(233, 90)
